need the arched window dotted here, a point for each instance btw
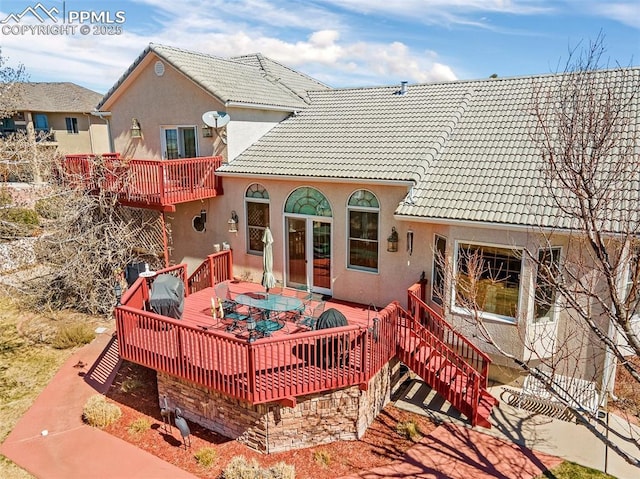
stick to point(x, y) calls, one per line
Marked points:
point(257, 206)
point(363, 211)
point(308, 201)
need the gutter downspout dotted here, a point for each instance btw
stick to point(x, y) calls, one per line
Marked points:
point(103, 115)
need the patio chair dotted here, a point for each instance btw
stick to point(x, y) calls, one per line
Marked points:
point(232, 310)
point(310, 320)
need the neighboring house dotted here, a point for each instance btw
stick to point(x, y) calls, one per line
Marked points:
point(362, 187)
point(60, 114)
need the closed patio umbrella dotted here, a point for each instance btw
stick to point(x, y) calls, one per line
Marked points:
point(268, 280)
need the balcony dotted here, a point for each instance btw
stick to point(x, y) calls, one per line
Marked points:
point(152, 184)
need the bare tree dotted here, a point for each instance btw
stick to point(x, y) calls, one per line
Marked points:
point(10, 91)
point(586, 127)
point(88, 242)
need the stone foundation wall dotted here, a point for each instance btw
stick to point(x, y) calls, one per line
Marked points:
point(343, 414)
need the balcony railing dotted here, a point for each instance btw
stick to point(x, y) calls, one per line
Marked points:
point(145, 183)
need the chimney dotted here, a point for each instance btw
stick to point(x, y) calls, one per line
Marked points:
point(403, 88)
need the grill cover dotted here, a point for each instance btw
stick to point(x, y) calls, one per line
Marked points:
point(331, 318)
point(167, 296)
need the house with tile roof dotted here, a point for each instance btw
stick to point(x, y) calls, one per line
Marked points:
point(62, 115)
point(364, 189)
point(256, 92)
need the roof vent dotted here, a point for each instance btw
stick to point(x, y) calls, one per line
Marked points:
point(403, 88)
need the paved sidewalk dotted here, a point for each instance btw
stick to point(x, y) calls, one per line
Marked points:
point(71, 449)
point(556, 437)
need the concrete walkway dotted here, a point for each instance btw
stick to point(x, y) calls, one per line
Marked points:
point(535, 431)
point(71, 449)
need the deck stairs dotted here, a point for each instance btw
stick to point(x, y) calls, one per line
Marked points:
point(460, 379)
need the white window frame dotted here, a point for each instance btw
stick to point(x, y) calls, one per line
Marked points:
point(484, 314)
point(181, 148)
point(362, 209)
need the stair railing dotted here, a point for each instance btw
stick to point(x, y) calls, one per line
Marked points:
point(441, 329)
point(432, 360)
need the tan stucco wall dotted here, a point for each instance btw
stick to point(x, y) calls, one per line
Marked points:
point(174, 100)
point(92, 136)
point(397, 270)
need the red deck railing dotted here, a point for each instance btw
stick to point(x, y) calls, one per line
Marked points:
point(218, 267)
point(265, 370)
point(441, 329)
point(283, 367)
point(150, 183)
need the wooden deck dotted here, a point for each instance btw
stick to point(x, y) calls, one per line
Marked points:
point(197, 311)
point(295, 360)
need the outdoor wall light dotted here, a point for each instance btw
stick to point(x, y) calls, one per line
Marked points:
point(136, 131)
point(392, 241)
point(233, 222)
point(206, 131)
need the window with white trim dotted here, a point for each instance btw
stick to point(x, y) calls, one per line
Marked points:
point(488, 278)
point(257, 207)
point(363, 211)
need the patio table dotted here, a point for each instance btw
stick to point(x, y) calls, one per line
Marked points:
point(270, 303)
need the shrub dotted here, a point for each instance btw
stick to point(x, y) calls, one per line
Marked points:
point(140, 425)
point(409, 430)
point(322, 457)
point(20, 216)
point(240, 468)
point(72, 335)
point(206, 456)
point(5, 197)
point(99, 413)
point(49, 208)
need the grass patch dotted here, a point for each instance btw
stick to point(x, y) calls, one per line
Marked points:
point(240, 468)
point(73, 335)
point(409, 430)
point(322, 457)
point(131, 385)
point(27, 364)
point(206, 457)
point(100, 413)
point(140, 426)
point(571, 470)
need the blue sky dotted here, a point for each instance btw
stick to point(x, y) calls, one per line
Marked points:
point(343, 43)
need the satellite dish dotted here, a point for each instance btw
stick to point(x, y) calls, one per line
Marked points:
point(216, 119)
